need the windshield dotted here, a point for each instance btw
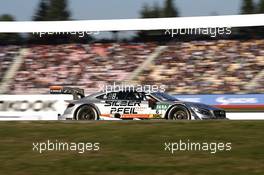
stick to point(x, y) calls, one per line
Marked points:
point(164, 97)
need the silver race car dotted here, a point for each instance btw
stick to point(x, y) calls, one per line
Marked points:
point(120, 105)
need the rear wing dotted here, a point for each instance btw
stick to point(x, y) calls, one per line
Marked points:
point(76, 92)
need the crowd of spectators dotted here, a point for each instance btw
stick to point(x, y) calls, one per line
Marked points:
point(221, 66)
point(80, 65)
point(7, 55)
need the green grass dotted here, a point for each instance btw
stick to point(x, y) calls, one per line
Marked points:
point(132, 147)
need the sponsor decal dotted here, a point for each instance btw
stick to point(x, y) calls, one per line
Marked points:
point(25, 105)
point(32, 107)
point(122, 106)
point(155, 116)
point(122, 103)
point(226, 101)
point(162, 106)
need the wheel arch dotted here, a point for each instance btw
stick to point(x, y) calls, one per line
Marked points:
point(174, 105)
point(87, 104)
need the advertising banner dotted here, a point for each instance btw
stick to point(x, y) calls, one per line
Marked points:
point(225, 99)
point(32, 107)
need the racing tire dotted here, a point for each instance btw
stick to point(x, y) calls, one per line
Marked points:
point(179, 113)
point(86, 112)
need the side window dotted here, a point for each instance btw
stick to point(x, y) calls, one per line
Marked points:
point(123, 96)
point(151, 101)
point(112, 96)
point(140, 96)
point(108, 96)
point(149, 98)
point(135, 96)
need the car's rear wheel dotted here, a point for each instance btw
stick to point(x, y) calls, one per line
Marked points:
point(86, 112)
point(179, 113)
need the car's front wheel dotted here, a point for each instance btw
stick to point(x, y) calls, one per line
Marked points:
point(86, 112)
point(179, 113)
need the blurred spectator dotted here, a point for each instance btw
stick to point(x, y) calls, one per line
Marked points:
point(7, 54)
point(85, 66)
point(221, 66)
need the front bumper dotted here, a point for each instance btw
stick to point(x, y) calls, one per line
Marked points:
point(213, 114)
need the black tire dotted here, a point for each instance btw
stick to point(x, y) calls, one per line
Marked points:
point(86, 112)
point(179, 113)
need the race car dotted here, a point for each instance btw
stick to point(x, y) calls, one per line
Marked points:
point(137, 105)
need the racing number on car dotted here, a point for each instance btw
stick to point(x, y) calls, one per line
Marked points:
point(114, 96)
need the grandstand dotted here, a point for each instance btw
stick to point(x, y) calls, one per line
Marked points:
point(85, 66)
point(7, 54)
point(221, 66)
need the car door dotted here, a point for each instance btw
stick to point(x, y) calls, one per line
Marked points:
point(153, 107)
point(107, 103)
point(137, 105)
